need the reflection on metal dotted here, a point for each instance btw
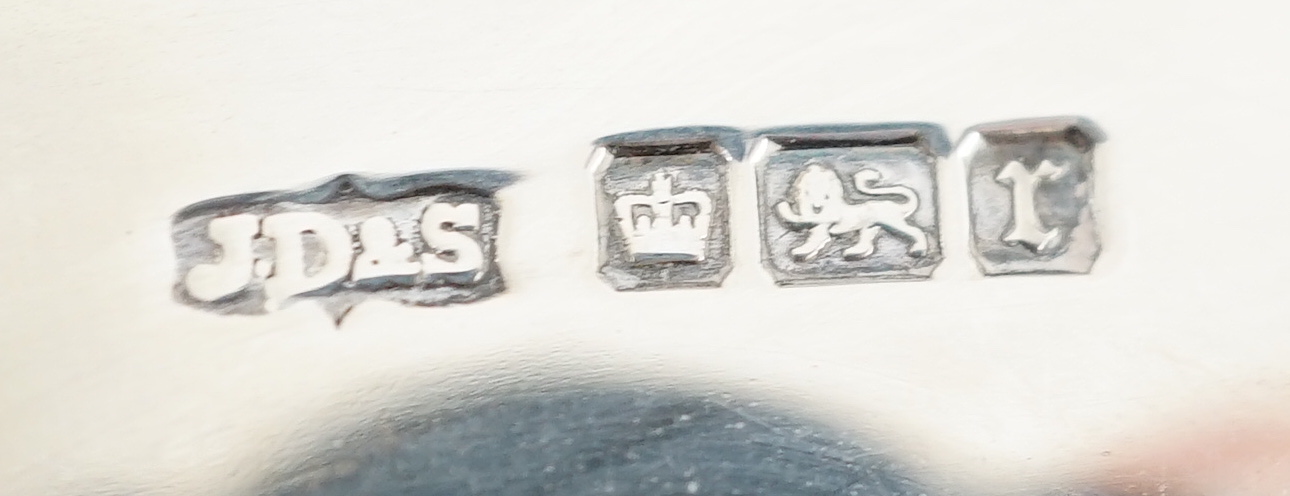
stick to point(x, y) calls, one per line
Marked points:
point(425, 239)
point(583, 441)
point(663, 207)
point(850, 203)
point(1030, 184)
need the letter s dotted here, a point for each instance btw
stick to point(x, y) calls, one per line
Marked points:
point(451, 250)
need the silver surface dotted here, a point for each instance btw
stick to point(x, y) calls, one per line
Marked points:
point(849, 203)
point(1162, 371)
point(1030, 189)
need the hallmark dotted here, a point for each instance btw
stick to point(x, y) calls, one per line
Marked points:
point(1030, 184)
point(426, 239)
point(663, 207)
point(850, 203)
point(672, 227)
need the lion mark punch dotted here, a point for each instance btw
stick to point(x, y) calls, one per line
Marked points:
point(849, 203)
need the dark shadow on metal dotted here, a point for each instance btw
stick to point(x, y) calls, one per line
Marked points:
point(585, 441)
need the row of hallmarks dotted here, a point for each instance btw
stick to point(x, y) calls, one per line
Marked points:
point(852, 203)
point(836, 204)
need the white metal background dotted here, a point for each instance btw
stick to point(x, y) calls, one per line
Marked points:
point(113, 115)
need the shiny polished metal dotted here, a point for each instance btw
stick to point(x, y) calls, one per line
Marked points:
point(849, 203)
point(1030, 185)
point(425, 239)
point(663, 206)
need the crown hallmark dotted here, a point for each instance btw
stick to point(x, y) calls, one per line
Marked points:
point(664, 225)
point(662, 206)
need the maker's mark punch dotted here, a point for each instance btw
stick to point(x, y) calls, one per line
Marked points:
point(425, 239)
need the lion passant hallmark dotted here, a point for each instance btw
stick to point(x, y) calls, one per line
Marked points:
point(426, 239)
point(849, 203)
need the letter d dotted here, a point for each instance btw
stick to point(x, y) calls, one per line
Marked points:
point(289, 277)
